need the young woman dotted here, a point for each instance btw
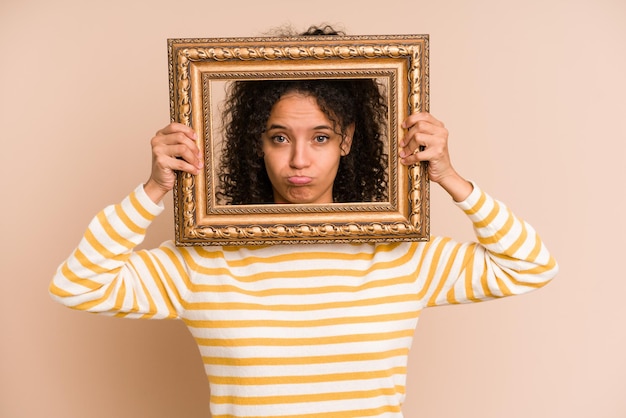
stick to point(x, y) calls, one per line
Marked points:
point(301, 330)
point(356, 113)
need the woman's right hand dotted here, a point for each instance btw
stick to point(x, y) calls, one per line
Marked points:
point(174, 148)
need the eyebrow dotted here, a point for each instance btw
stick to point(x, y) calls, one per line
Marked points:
point(315, 128)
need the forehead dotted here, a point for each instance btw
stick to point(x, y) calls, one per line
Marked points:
point(297, 106)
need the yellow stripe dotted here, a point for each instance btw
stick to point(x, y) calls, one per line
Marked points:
point(139, 208)
point(468, 272)
point(433, 261)
point(57, 291)
point(301, 324)
point(497, 236)
point(536, 249)
point(305, 291)
point(135, 307)
point(293, 342)
point(503, 288)
point(490, 217)
point(112, 233)
point(197, 288)
point(229, 306)
point(304, 379)
point(444, 276)
point(101, 249)
point(74, 278)
point(216, 254)
point(534, 271)
point(86, 263)
point(291, 361)
point(159, 285)
point(128, 222)
point(96, 268)
point(152, 311)
point(308, 273)
point(451, 297)
point(517, 244)
point(538, 270)
point(309, 397)
point(181, 272)
point(361, 413)
point(478, 206)
point(119, 300)
point(169, 280)
point(85, 306)
point(484, 281)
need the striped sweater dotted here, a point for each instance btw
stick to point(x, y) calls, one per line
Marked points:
point(299, 330)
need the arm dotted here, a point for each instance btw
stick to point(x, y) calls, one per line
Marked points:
point(105, 273)
point(509, 257)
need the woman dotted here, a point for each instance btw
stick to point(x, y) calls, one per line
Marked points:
point(301, 330)
point(355, 109)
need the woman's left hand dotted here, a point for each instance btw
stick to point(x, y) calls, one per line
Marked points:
point(426, 139)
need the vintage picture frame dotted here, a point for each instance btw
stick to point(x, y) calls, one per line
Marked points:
point(198, 68)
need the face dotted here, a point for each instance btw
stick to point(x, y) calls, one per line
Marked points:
point(302, 151)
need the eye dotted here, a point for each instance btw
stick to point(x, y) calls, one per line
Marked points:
point(279, 139)
point(321, 139)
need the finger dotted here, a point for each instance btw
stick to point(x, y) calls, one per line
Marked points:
point(428, 154)
point(425, 127)
point(177, 141)
point(418, 141)
point(411, 159)
point(421, 117)
point(418, 129)
point(409, 155)
point(182, 165)
point(425, 147)
point(187, 152)
point(164, 165)
point(423, 153)
point(415, 141)
point(176, 127)
point(175, 138)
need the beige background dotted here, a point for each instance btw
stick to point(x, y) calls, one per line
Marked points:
point(533, 93)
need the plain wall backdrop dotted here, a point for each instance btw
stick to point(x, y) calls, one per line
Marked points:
point(533, 94)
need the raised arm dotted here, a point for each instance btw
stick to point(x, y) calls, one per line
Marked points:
point(104, 273)
point(509, 257)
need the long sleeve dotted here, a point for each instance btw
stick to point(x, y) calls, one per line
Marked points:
point(104, 274)
point(300, 330)
point(508, 259)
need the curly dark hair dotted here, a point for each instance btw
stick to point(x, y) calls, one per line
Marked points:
point(362, 173)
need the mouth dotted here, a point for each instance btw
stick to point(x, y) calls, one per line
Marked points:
point(299, 180)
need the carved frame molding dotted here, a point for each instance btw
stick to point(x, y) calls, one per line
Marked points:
point(400, 59)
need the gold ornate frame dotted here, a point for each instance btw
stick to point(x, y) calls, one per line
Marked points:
point(400, 60)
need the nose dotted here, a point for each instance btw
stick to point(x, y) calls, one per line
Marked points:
point(300, 155)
